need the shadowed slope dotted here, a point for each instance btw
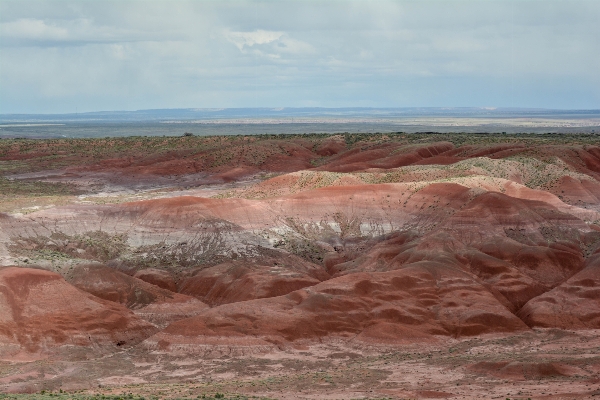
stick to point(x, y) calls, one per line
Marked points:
point(574, 304)
point(421, 300)
point(272, 274)
point(154, 304)
point(39, 310)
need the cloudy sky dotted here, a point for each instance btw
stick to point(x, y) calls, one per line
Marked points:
point(63, 56)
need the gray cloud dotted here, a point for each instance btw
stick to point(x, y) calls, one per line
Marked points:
point(59, 55)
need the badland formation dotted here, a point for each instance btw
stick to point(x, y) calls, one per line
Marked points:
point(301, 266)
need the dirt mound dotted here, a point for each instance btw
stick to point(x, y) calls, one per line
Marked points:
point(184, 212)
point(331, 146)
point(158, 277)
point(574, 304)
point(242, 280)
point(421, 300)
point(520, 371)
point(518, 248)
point(390, 155)
point(225, 160)
point(504, 278)
point(39, 309)
point(539, 242)
point(112, 285)
point(577, 191)
point(154, 304)
point(512, 248)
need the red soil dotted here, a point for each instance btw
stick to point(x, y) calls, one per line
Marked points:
point(157, 277)
point(575, 304)
point(372, 243)
point(383, 157)
point(521, 371)
point(575, 191)
point(244, 280)
point(40, 310)
point(485, 248)
point(154, 304)
point(422, 300)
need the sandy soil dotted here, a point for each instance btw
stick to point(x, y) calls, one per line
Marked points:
point(542, 364)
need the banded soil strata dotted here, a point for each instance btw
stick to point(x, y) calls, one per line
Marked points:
point(247, 264)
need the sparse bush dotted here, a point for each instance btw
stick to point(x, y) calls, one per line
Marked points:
point(94, 245)
point(15, 187)
point(207, 245)
point(304, 248)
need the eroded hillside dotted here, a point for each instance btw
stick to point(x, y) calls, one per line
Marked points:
point(262, 245)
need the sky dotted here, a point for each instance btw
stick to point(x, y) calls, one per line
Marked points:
point(77, 56)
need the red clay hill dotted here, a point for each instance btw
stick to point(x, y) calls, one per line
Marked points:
point(275, 240)
point(40, 310)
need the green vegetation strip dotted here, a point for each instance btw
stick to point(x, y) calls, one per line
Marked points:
point(14, 188)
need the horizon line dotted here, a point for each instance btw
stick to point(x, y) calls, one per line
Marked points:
point(280, 108)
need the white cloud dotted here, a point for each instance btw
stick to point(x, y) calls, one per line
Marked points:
point(273, 45)
point(248, 39)
point(35, 29)
point(293, 46)
point(78, 31)
point(133, 55)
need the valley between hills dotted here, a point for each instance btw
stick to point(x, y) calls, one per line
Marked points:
point(315, 266)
